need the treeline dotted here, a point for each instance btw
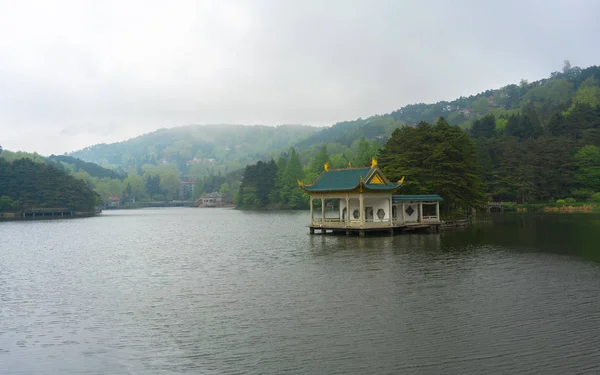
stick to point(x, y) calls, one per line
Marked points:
point(274, 183)
point(541, 153)
point(147, 183)
point(25, 183)
point(163, 183)
point(197, 151)
point(226, 184)
point(435, 159)
point(541, 143)
point(528, 160)
point(73, 165)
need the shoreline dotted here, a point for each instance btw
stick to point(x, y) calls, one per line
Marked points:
point(76, 215)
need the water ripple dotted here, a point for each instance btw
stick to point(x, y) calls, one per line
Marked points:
point(227, 292)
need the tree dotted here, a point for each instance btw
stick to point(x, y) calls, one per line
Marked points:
point(290, 194)
point(587, 160)
point(137, 186)
point(316, 164)
point(440, 159)
point(25, 183)
point(587, 94)
point(153, 185)
point(170, 185)
point(366, 151)
point(257, 185)
point(484, 127)
point(7, 204)
point(481, 106)
point(128, 194)
point(225, 189)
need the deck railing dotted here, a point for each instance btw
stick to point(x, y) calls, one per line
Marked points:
point(339, 222)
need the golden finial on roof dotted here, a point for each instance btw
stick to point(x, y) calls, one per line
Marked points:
point(373, 162)
point(401, 180)
point(361, 180)
point(349, 165)
point(326, 165)
point(300, 183)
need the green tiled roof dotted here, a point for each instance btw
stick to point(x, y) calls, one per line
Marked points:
point(339, 179)
point(345, 180)
point(381, 187)
point(404, 198)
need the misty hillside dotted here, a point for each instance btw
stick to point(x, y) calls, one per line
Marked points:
point(196, 151)
point(547, 96)
point(74, 165)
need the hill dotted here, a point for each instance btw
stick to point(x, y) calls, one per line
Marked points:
point(561, 88)
point(71, 164)
point(197, 150)
point(536, 120)
point(106, 182)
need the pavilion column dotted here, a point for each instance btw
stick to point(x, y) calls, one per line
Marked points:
point(311, 211)
point(347, 209)
point(437, 210)
point(403, 214)
point(322, 209)
point(420, 212)
point(361, 208)
point(390, 211)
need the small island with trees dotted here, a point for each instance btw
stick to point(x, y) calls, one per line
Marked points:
point(30, 189)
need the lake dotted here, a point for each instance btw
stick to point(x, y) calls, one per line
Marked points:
point(218, 291)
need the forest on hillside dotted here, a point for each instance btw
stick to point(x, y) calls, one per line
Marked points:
point(534, 141)
point(540, 142)
point(205, 152)
point(274, 184)
point(196, 150)
point(26, 183)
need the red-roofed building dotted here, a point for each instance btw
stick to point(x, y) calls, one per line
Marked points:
point(114, 201)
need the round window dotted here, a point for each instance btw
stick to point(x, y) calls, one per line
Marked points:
point(356, 214)
point(380, 213)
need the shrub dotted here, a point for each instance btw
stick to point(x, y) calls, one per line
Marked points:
point(570, 200)
point(561, 202)
point(582, 194)
point(596, 197)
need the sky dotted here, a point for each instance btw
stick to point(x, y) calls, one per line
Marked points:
point(77, 73)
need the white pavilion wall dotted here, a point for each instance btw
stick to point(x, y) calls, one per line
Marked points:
point(379, 203)
point(376, 202)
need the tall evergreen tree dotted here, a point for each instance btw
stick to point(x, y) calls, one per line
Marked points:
point(292, 196)
point(438, 159)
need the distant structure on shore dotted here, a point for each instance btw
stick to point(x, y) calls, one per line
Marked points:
point(213, 200)
point(365, 201)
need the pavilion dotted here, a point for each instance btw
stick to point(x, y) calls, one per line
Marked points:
point(363, 199)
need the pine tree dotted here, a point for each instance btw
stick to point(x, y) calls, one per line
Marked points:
point(440, 159)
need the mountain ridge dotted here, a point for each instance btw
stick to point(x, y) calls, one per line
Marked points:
point(226, 147)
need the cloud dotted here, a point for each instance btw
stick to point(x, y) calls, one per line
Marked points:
point(75, 73)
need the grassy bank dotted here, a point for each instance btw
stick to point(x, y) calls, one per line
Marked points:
point(560, 206)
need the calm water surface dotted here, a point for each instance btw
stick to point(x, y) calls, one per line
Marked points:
point(215, 291)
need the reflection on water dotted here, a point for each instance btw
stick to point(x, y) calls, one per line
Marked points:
point(218, 291)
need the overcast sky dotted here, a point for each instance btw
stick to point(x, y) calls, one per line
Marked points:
point(77, 73)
